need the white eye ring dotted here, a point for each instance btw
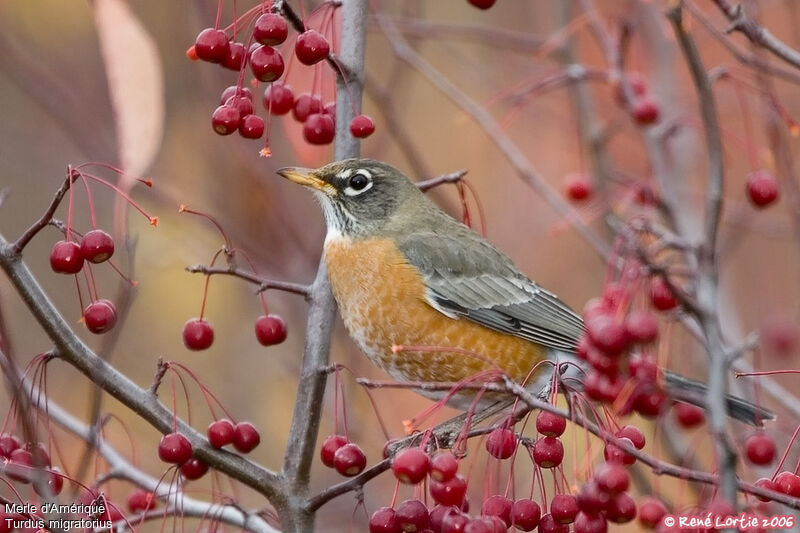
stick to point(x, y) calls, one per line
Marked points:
point(356, 183)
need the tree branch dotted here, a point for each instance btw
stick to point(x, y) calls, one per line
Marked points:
point(74, 351)
point(758, 35)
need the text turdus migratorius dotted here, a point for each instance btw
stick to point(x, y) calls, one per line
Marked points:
point(405, 273)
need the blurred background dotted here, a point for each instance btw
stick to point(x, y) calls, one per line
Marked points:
point(57, 110)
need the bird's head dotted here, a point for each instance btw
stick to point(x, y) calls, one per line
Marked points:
point(358, 196)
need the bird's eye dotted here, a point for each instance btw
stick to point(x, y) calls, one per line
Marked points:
point(359, 182)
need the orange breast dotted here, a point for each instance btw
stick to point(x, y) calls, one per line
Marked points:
point(382, 301)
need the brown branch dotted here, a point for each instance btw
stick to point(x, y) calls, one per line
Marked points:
point(751, 60)
point(263, 283)
point(452, 177)
point(47, 216)
point(123, 469)
point(707, 281)
point(757, 34)
point(71, 349)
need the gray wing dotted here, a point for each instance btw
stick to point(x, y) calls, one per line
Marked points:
point(467, 277)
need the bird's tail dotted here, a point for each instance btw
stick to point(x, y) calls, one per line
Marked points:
point(694, 392)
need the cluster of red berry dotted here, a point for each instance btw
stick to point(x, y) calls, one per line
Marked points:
point(601, 499)
point(260, 52)
point(25, 462)
point(346, 457)
point(176, 449)
point(68, 257)
point(76, 251)
point(610, 337)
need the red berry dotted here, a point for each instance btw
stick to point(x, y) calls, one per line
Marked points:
point(762, 188)
point(243, 103)
point(760, 448)
point(235, 57)
point(591, 498)
point(235, 90)
point(278, 99)
point(174, 448)
point(651, 511)
point(197, 334)
point(270, 330)
point(641, 326)
point(361, 126)
point(412, 515)
point(602, 362)
point(211, 45)
point(20, 466)
point(100, 316)
point(220, 433)
point(634, 434)
point(780, 335)
point(225, 119)
point(612, 477)
point(688, 415)
point(548, 452)
point(66, 257)
point(607, 334)
point(251, 127)
point(615, 454)
point(501, 443)
point(788, 483)
point(548, 524)
point(455, 522)
point(266, 63)
point(444, 466)
point(498, 506)
point(661, 296)
point(141, 501)
point(8, 443)
point(411, 465)
point(765, 483)
point(602, 387)
point(643, 368)
point(550, 424)
point(482, 4)
point(651, 401)
point(645, 111)
point(525, 514)
point(311, 47)
point(54, 483)
point(586, 523)
point(329, 447)
point(270, 29)
point(305, 105)
point(450, 492)
point(194, 468)
point(564, 507)
point(438, 514)
point(384, 520)
point(39, 454)
point(245, 437)
point(330, 109)
point(97, 246)
point(349, 460)
point(319, 129)
point(578, 186)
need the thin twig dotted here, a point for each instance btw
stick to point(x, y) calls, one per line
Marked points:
point(263, 283)
point(757, 34)
point(47, 216)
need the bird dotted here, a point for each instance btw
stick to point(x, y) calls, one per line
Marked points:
point(428, 299)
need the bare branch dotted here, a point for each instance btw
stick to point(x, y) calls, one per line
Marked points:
point(757, 34)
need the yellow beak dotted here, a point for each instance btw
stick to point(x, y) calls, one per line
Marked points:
point(306, 177)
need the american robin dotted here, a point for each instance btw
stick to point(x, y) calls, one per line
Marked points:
point(404, 273)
